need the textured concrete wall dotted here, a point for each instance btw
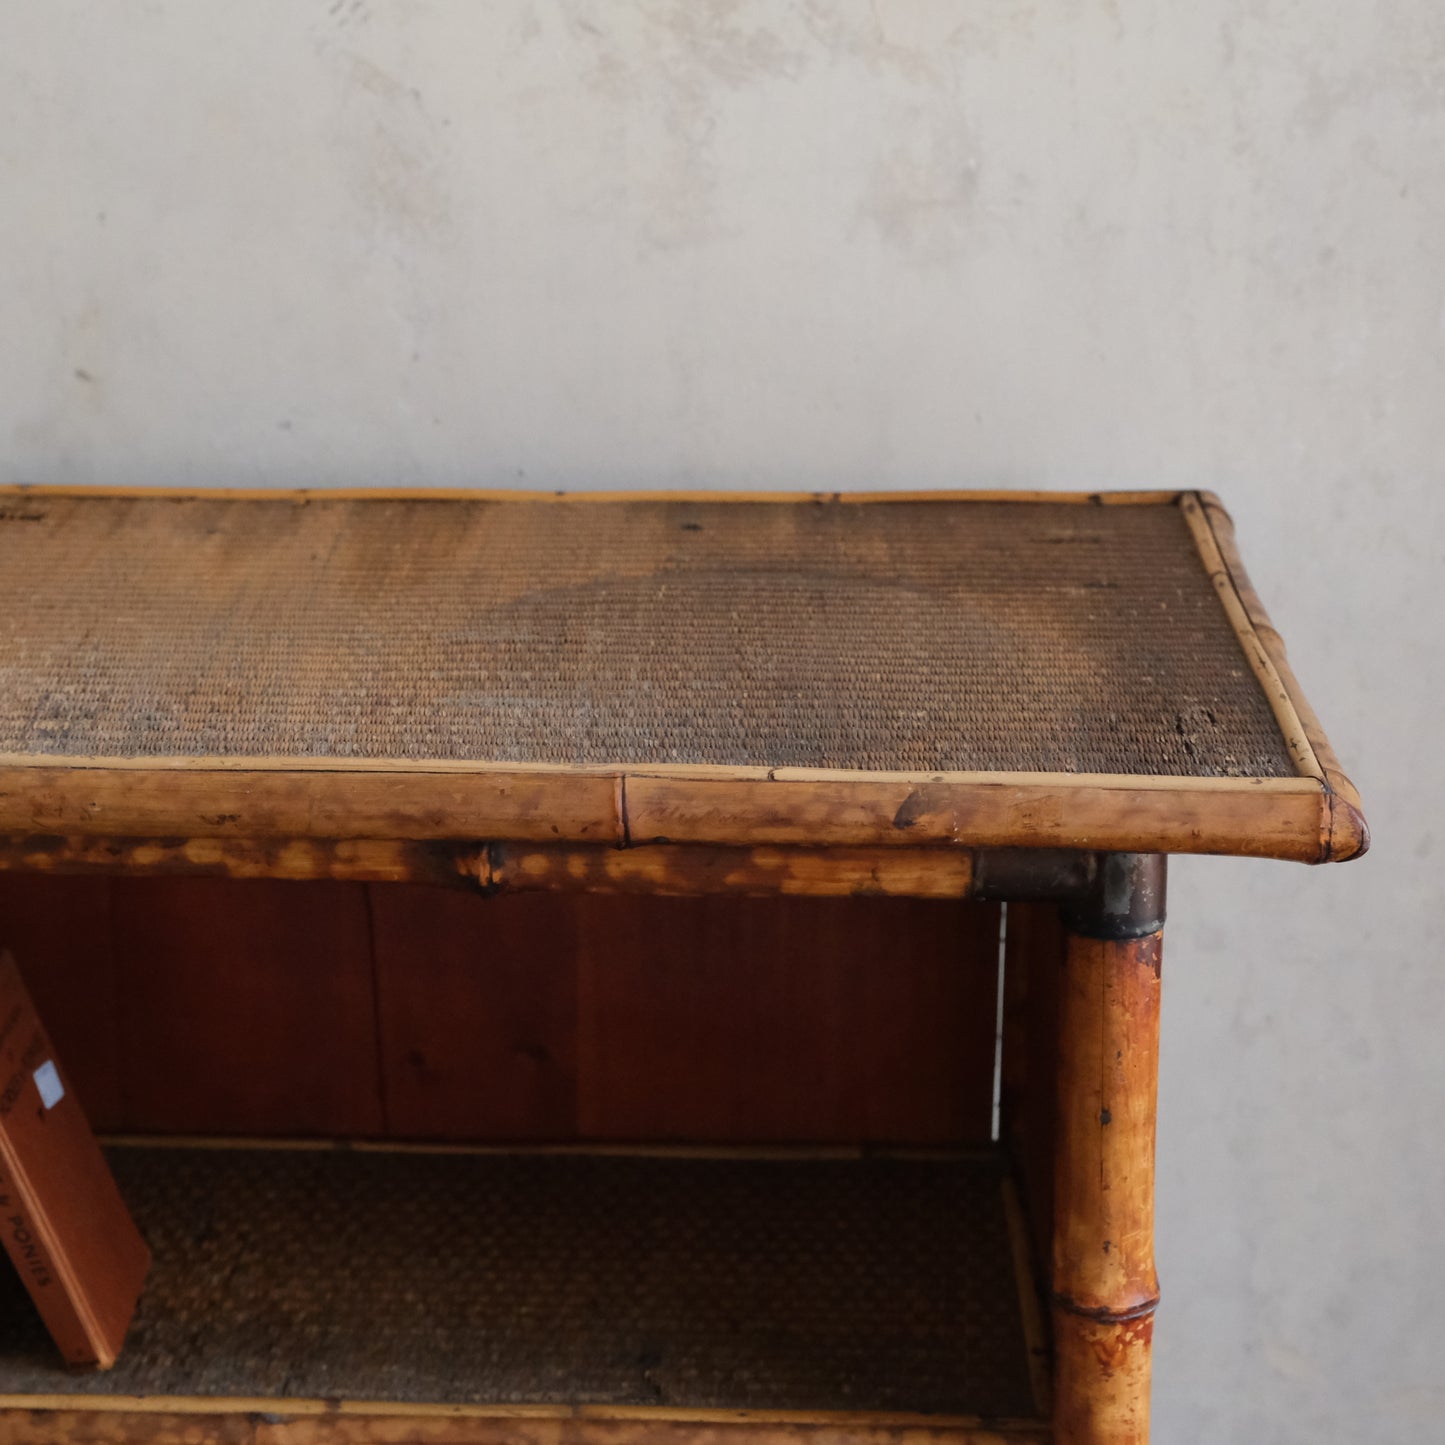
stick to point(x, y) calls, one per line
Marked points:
point(831, 243)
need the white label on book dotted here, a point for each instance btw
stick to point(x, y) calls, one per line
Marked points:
point(47, 1080)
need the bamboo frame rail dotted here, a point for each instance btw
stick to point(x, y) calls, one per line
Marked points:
point(1269, 818)
point(678, 870)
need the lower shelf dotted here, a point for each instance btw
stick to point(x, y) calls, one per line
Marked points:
point(327, 1287)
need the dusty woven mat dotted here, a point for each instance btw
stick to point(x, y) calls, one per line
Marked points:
point(883, 1285)
point(912, 636)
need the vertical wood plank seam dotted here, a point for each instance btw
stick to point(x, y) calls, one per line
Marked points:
point(120, 1020)
point(378, 1040)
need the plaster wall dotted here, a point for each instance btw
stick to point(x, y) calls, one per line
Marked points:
point(910, 243)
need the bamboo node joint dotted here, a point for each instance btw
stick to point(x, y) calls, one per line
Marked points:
point(1102, 1313)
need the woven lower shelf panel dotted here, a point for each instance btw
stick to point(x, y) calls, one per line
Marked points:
point(865, 1285)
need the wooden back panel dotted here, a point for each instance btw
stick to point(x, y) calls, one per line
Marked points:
point(406, 1012)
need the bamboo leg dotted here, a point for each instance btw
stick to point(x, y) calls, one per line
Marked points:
point(1105, 1288)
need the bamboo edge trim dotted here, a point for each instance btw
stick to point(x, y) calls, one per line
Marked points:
point(306, 1407)
point(60, 804)
point(1345, 834)
point(306, 495)
point(1278, 695)
point(622, 773)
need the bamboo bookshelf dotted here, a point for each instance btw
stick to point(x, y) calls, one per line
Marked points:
point(759, 771)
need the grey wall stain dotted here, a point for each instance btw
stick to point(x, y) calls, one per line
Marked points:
point(670, 71)
point(345, 14)
point(675, 69)
point(718, 41)
point(392, 149)
point(921, 194)
point(855, 34)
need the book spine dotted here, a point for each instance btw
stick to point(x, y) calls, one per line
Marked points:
point(28, 1244)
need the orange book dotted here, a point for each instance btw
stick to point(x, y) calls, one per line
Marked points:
point(65, 1226)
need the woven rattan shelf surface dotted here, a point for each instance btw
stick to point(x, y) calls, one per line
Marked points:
point(802, 1284)
point(948, 638)
point(912, 637)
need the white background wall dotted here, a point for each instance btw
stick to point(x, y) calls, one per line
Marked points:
point(832, 244)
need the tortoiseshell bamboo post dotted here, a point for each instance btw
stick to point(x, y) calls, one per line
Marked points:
point(1104, 1286)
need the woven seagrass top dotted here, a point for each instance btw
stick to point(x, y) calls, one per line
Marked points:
point(912, 636)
